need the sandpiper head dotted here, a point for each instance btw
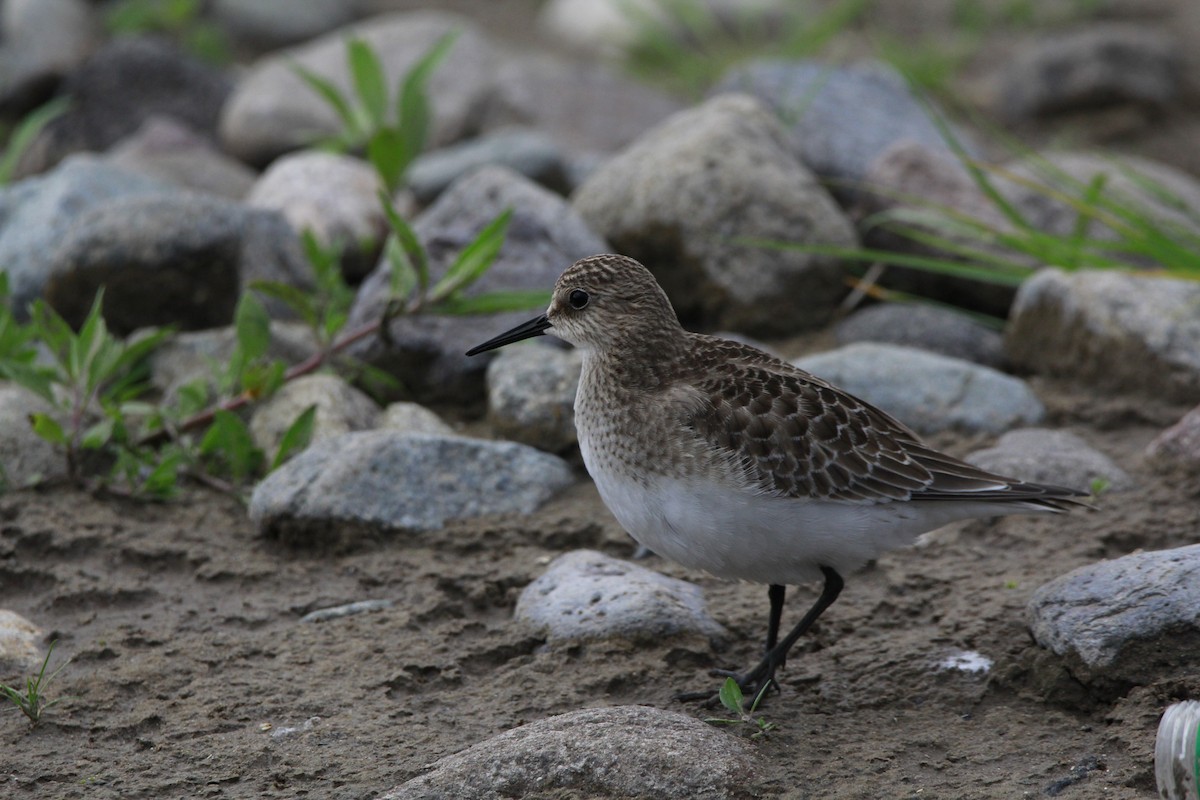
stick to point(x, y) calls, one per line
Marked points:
point(600, 303)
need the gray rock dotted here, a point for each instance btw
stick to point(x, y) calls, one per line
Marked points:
point(347, 610)
point(20, 655)
point(43, 41)
point(358, 485)
point(1099, 65)
point(36, 213)
point(26, 457)
point(1042, 455)
point(1178, 445)
point(164, 259)
point(679, 197)
point(334, 196)
point(194, 355)
point(413, 418)
point(544, 237)
point(531, 395)
point(938, 330)
point(273, 111)
point(623, 751)
point(528, 152)
point(1110, 329)
point(584, 107)
point(840, 118)
point(1131, 620)
point(340, 409)
point(170, 151)
point(610, 28)
point(270, 24)
point(926, 391)
point(122, 85)
point(585, 594)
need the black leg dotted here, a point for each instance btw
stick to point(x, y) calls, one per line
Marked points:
point(775, 592)
point(763, 674)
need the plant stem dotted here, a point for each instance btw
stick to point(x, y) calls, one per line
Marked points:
point(310, 364)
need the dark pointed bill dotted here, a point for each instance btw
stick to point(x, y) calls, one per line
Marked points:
point(526, 330)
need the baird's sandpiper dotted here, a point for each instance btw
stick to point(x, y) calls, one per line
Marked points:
point(724, 458)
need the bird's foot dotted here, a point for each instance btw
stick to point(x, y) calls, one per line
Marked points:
point(754, 685)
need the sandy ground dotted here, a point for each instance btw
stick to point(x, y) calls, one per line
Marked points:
point(193, 677)
point(190, 663)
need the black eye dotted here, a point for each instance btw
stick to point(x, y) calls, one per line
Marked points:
point(578, 299)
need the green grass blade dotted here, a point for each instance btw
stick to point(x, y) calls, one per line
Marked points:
point(412, 103)
point(332, 95)
point(388, 152)
point(408, 241)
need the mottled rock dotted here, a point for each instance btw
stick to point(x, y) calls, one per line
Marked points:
point(413, 418)
point(679, 197)
point(1178, 445)
point(36, 213)
point(531, 395)
point(840, 118)
point(43, 40)
point(528, 152)
point(1110, 329)
point(273, 111)
point(27, 458)
point(340, 409)
point(165, 259)
point(544, 237)
point(1042, 455)
point(938, 330)
point(167, 149)
point(122, 85)
point(1095, 66)
point(926, 391)
point(359, 485)
point(270, 24)
point(624, 751)
point(20, 655)
point(335, 196)
point(584, 107)
point(1131, 620)
point(585, 594)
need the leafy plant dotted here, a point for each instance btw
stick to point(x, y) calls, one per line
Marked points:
point(392, 135)
point(731, 698)
point(25, 132)
point(32, 702)
point(181, 20)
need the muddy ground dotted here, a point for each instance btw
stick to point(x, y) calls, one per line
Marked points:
point(190, 663)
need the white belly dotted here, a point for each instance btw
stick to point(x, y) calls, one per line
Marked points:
point(733, 533)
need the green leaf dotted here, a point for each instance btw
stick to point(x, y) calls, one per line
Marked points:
point(731, 695)
point(293, 297)
point(370, 82)
point(332, 95)
point(253, 327)
point(474, 259)
point(162, 481)
point(387, 151)
point(98, 435)
point(412, 104)
point(493, 302)
point(409, 243)
point(26, 131)
point(47, 428)
point(296, 437)
point(229, 440)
